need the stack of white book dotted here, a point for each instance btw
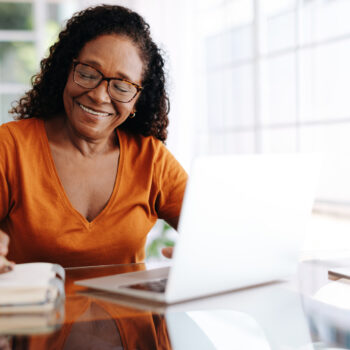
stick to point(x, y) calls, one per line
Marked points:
point(31, 298)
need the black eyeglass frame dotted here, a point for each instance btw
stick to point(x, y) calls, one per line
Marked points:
point(108, 79)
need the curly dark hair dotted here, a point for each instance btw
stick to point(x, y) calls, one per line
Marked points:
point(45, 99)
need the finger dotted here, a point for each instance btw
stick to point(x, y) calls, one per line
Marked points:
point(4, 242)
point(168, 252)
point(5, 265)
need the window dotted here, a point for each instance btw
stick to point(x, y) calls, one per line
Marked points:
point(27, 29)
point(276, 80)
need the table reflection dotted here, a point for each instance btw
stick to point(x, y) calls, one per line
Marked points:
point(270, 317)
point(90, 323)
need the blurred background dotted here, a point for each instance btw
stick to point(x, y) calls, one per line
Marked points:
point(245, 76)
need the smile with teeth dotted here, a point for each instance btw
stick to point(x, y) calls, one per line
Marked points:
point(89, 110)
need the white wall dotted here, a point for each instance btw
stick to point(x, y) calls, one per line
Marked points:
point(171, 28)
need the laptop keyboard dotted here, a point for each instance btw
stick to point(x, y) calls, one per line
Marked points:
point(157, 286)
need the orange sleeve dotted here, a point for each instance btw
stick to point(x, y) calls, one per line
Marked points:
point(171, 179)
point(5, 144)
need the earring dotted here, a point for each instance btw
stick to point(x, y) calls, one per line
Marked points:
point(132, 115)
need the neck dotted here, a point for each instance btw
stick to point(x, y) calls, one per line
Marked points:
point(90, 147)
point(62, 133)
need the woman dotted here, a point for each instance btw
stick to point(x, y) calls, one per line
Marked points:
point(84, 174)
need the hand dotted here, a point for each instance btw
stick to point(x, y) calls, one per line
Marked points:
point(5, 265)
point(168, 252)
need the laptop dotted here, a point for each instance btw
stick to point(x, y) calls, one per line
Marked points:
point(242, 224)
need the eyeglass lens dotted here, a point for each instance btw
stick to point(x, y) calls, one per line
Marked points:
point(89, 78)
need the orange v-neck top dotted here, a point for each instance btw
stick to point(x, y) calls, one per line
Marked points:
point(43, 225)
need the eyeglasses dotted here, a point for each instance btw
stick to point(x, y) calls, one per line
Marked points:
point(88, 77)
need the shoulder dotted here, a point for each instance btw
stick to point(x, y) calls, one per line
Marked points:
point(139, 141)
point(19, 137)
point(149, 154)
point(141, 146)
point(17, 129)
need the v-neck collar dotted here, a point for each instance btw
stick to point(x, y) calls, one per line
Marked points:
point(58, 184)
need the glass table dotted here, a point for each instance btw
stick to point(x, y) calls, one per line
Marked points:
point(279, 315)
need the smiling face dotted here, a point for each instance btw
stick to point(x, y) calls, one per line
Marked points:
point(91, 113)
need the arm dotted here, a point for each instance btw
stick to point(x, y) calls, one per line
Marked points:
point(173, 222)
point(171, 183)
point(172, 179)
point(5, 145)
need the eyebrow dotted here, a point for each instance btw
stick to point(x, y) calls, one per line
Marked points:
point(99, 66)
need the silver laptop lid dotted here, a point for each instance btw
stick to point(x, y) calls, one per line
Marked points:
point(242, 222)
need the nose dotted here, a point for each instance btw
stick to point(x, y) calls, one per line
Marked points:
point(100, 93)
